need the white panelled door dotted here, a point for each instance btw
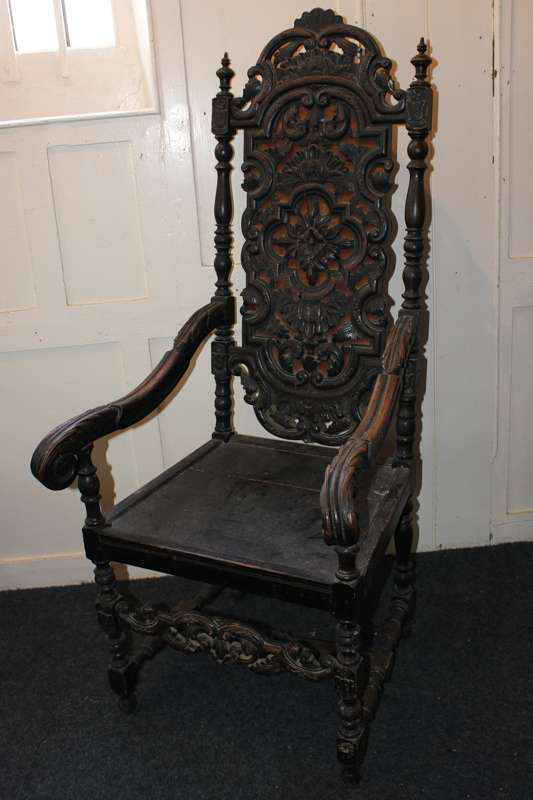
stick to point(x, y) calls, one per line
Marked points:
point(106, 230)
point(513, 463)
point(100, 267)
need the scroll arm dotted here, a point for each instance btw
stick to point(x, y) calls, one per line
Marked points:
point(55, 461)
point(359, 453)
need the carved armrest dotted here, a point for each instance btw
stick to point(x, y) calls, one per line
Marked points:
point(362, 448)
point(55, 461)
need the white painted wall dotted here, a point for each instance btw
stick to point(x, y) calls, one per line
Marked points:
point(106, 232)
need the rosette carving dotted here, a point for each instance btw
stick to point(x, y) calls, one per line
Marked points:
point(313, 241)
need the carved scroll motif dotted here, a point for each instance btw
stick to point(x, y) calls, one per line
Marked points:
point(321, 45)
point(317, 162)
point(230, 642)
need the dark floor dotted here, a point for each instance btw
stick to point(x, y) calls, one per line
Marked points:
point(455, 722)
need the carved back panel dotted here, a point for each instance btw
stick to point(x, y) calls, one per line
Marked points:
point(317, 112)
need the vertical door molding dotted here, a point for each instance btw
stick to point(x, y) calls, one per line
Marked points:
point(512, 469)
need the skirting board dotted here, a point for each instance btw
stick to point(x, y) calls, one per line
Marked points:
point(33, 573)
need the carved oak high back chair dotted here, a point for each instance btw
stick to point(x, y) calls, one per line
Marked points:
point(245, 512)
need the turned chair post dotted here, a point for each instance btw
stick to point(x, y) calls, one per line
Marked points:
point(350, 669)
point(349, 682)
point(223, 244)
point(122, 672)
point(418, 124)
point(89, 487)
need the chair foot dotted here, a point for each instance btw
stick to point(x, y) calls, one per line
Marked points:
point(351, 774)
point(127, 703)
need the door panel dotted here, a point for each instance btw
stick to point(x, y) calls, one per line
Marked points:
point(17, 290)
point(103, 213)
point(98, 226)
point(512, 476)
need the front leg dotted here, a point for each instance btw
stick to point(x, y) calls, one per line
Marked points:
point(122, 670)
point(350, 682)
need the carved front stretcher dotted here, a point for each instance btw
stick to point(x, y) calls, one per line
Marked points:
point(316, 364)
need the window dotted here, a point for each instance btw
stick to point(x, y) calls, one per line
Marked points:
point(81, 24)
point(56, 55)
point(33, 24)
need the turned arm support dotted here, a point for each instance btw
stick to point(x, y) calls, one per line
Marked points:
point(362, 449)
point(55, 461)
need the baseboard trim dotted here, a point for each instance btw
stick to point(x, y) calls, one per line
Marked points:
point(34, 573)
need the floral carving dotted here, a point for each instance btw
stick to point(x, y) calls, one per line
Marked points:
point(318, 114)
point(352, 152)
point(376, 306)
point(316, 62)
point(251, 301)
point(314, 127)
point(251, 179)
point(347, 332)
point(312, 49)
point(274, 325)
point(312, 317)
point(313, 241)
point(312, 415)
point(314, 165)
point(230, 642)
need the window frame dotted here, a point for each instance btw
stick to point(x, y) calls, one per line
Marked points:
point(13, 63)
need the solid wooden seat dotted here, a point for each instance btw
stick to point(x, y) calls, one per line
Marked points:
point(253, 505)
point(307, 517)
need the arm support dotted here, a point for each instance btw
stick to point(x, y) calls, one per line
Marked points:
point(361, 450)
point(55, 461)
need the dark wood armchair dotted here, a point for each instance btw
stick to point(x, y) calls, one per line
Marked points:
point(317, 366)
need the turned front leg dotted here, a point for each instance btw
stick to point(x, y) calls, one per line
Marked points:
point(122, 670)
point(350, 681)
point(349, 677)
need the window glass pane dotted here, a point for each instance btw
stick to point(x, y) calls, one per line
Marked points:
point(35, 25)
point(90, 23)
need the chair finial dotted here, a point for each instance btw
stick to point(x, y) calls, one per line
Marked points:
point(421, 62)
point(225, 74)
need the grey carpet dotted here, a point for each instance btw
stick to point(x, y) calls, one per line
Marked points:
point(455, 722)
